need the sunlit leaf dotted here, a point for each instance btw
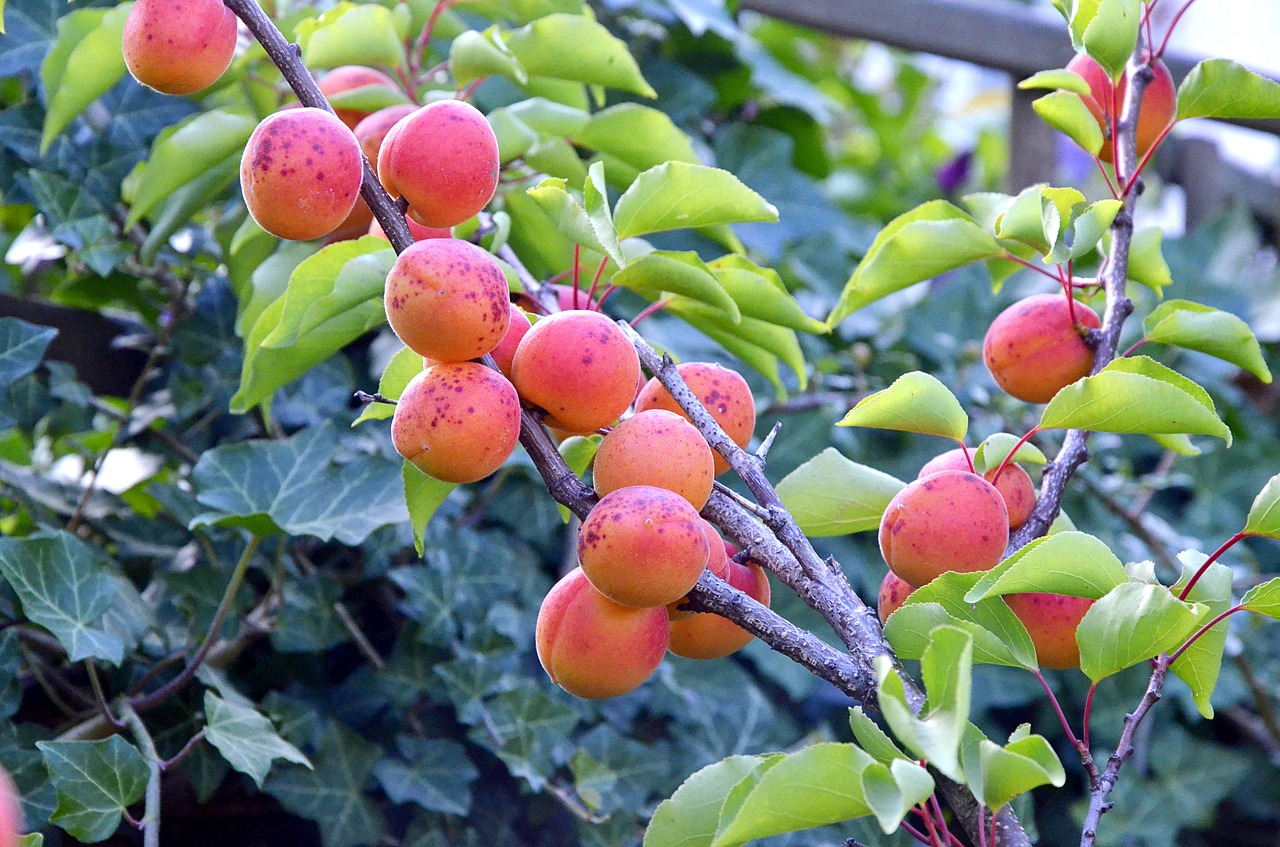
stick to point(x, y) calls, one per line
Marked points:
point(1207, 330)
point(833, 495)
point(1220, 88)
point(915, 402)
point(1133, 623)
point(1071, 563)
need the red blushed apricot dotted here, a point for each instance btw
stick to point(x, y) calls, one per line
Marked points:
point(1014, 484)
point(593, 647)
point(457, 422)
point(447, 300)
point(179, 46)
point(301, 173)
point(948, 521)
point(11, 812)
point(353, 225)
point(1159, 102)
point(517, 326)
point(373, 129)
point(709, 636)
point(443, 159)
point(1051, 620)
point(346, 78)
point(659, 448)
point(723, 391)
point(1033, 350)
point(717, 563)
point(643, 546)
point(417, 230)
point(579, 367)
point(894, 591)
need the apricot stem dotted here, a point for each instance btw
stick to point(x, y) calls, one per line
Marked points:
point(1088, 708)
point(1173, 657)
point(1012, 453)
point(1027, 264)
point(595, 281)
point(577, 269)
point(969, 459)
point(365, 397)
point(1213, 557)
point(1081, 747)
point(1172, 24)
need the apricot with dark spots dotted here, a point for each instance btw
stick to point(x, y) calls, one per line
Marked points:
point(457, 422)
point(447, 300)
point(350, 77)
point(179, 46)
point(717, 563)
point(593, 647)
point(289, 198)
point(1014, 484)
point(894, 591)
point(643, 546)
point(1033, 349)
point(1051, 621)
point(948, 521)
point(659, 448)
point(708, 636)
point(579, 368)
point(723, 391)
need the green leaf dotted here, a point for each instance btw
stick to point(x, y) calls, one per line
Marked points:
point(181, 154)
point(297, 486)
point(816, 786)
point(1108, 29)
point(332, 794)
point(475, 55)
point(1199, 664)
point(1087, 230)
point(999, 638)
point(690, 817)
point(1135, 395)
point(577, 452)
point(891, 791)
point(994, 448)
point(920, 244)
point(22, 346)
point(84, 64)
point(1220, 88)
point(329, 284)
point(1146, 260)
point(636, 136)
point(1133, 623)
point(915, 402)
point(549, 118)
point(1068, 114)
point(1207, 330)
point(1059, 78)
point(176, 210)
point(96, 781)
point(66, 590)
point(434, 774)
point(777, 340)
point(350, 35)
point(400, 370)
point(1034, 219)
point(832, 495)
point(1263, 599)
point(578, 49)
point(872, 738)
point(679, 195)
point(1264, 514)
point(1027, 762)
point(760, 293)
point(423, 494)
point(368, 98)
point(679, 273)
point(947, 669)
point(245, 738)
point(571, 218)
point(1071, 563)
point(736, 341)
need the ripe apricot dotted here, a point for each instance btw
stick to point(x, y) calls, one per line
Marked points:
point(349, 77)
point(457, 421)
point(659, 448)
point(894, 591)
point(1033, 350)
point(179, 46)
point(447, 300)
point(723, 391)
point(372, 129)
point(1014, 484)
point(948, 521)
point(709, 636)
point(717, 563)
point(417, 230)
point(593, 647)
point(1158, 109)
point(1051, 620)
point(643, 546)
point(579, 367)
point(517, 326)
point(443, 159)
point(10, 812)
point(301, 173)
point(354, 225)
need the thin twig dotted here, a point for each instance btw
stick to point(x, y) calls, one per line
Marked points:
point(99, 697)
point(150, 823)
point(184, 752)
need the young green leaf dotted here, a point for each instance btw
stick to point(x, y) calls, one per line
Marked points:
point(245, 738)
point(1071, 563)
point(350, 35)
point(1133, 623)
point(679, 195)
point(1220, 88)
point(1207, 330)
point(422, 496)
point(1264, 514)
point(872, 738)
point(999, 638)
point(1108, 31)
point(1087, 229)
point(637, 136)
point(595, 199)
point(1263, 599)
point(400, 369)
point(759, 293)
point(777, 340)
point(572, 219)
point(83, 64)
point(1026, 762)
point(1068, 114)
point(994, 448)
point(96, 782)
point(1031, 221)
point(947, 668)
point(577, 451)
point(476, 55)
point(576, 48)
point(892, 790)
point(833, 495)
point(1058, 79)
point(690, 816)
point(368, 98)
point(1199, 664)
point(680, 273)
point(329, 284)
point(915, 402)
point(1146, 260)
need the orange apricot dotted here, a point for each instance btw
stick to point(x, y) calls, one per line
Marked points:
point(447, 300)
point(717, 563)
point(372, 129)
point(948, 521)
point(593, 647)
point(894, 591)
point(723, 391)
point(1158, 109)
point(517, 326)
point(708, 636)
point(179, 46)
point(643, 546)
point(350, 77)
point(457, 421)
point(579, 368)
point(1033, 349)
point(301, 173)
point(656, 447)
point(1052, 620)
point(1014, 484)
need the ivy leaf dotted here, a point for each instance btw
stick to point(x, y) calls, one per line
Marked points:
point(915, 402)
point(350, 35)
point(690, 816)
point(400, 370)
point(1068, 114)
point(245, 738)
point(434, 774)
point(1220, 88)
point(64, 589)
point(577, 49)
point(96, 781)
point(999, 638)
point(329, 284)
point(1133, 623)
point(1199, 664)
point(527, 730)
point(1071, 563)
point(332, 794)
point(679, 195)
point(833, 495)
point(1207, 330)
point(22, 346)
point(1264, 514)
point(82, 66)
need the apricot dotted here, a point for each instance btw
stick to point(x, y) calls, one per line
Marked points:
point(349, 77)
point(417, 230)
point(517, 326)
point(894, 591)
point(10, 812)
point(1158, 109)
point(723, 391)
point(578, 367)
point(717, 563)
point(643, 546)
point(301, 173)
point(372, 129)
point(659, 448)
point(709, 636)
point(354, 225)
point(1014, 484)
point(457, 421)
point(1051, 620)
point(948, 521)
point(1033, 350)
point(593, 647)
point(564, 300)
point(443, 159)
point(447, 300)
point(179, 46)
